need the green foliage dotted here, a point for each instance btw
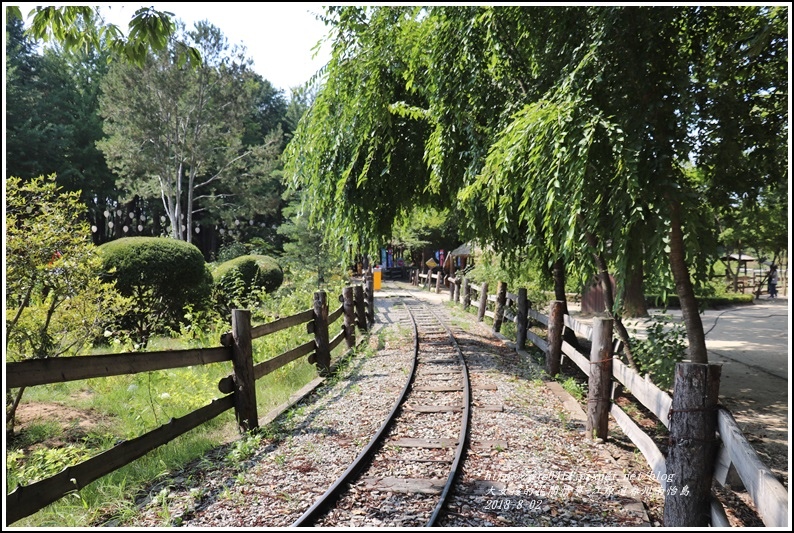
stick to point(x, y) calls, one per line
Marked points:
point(573, 387)
point(41, 463)
point(307, 247)
point(230, 251)
point(162, 276)
point(80, 28)
point(664, 346)
point(239, 281)
point(55, 303)
point(243, 448)
point(361, 171)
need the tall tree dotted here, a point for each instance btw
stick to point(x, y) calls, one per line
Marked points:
point(177, 133)
point(52, 116)
point(565, 130)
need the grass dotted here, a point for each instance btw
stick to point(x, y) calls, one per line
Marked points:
point(127, 406)
point(573, 387)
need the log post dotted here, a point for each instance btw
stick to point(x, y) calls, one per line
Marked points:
point(466, 293)
point(361, 315)
point(456, 298)
point(243, 365)
point(322, 351)
point(521, 319)
point(501, 300)
point(599, 383)
point(429, 277)
point(693, 445)
point(439, 281)
point(451, 289)
point(348, 304)
point(556, 324)
point(483, 301)
point(370, 292)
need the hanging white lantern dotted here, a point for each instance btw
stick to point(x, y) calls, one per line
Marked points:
point(93, 229)
point(125, 229)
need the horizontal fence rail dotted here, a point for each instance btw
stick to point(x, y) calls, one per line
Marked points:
point(62, 369)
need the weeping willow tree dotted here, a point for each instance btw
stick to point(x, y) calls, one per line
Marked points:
point(562, 132)
point(358, 164)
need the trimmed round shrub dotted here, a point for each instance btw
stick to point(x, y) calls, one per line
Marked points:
point(255, 271)
point(162, 275)
point(238, 278)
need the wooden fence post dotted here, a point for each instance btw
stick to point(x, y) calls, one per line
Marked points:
point(243, 364)
point(600, 379)
point(348, 304)
point(466, 293)
point(361, 315)
point(693, 445)
point(499, 312)
point(451, 289)
point(370, 292)
point(555, 328)
point(483, 301)
point(456, 298)
point(521, 319)
point(439, 280)
point(429, 279)
point(322, 351)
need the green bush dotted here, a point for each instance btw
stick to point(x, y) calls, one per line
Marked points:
point(716, 301)
point(164, 277)
point(238, 280)
point(664, 346)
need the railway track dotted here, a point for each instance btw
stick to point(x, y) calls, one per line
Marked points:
point(410, 464)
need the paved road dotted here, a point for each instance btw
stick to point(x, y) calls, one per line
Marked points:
point(753, 344)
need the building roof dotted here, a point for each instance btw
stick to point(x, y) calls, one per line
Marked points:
point(738, 257)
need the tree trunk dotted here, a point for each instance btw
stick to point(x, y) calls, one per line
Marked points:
point(609, 300)
point(683, 287)
point(12, 413)
point(558, 274)
point(634, 299)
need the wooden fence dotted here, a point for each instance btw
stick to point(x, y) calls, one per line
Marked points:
point(356, 308)
point(735, 463)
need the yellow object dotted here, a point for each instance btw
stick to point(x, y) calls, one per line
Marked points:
point(431, 263)
point(376, 279)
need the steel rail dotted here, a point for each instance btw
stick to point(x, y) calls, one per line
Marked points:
point(464, 430)
point(335, 490)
